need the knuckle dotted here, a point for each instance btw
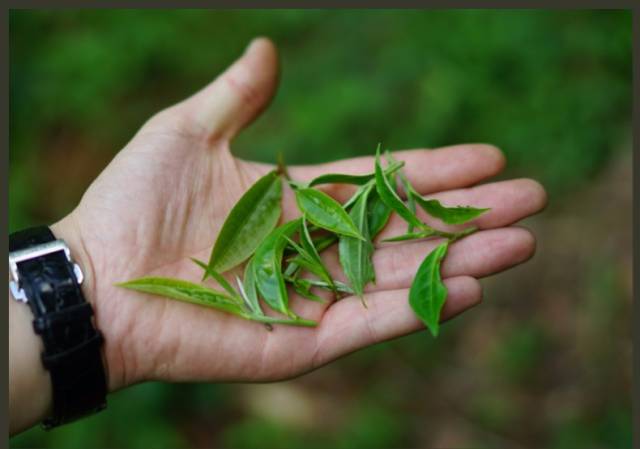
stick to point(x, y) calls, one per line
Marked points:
point(237, 82)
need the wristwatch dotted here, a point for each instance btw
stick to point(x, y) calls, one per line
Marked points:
point(44, 276)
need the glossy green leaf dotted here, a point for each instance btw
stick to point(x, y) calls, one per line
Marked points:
point(351, 201)
point(323, 242)
point(307, 261)
point(325, 212)
point(449, 215)
point(340, 286)
point(388, 194)
point(431, 232)
point(339, 178)
point(303, 288)
point(248, 289)
point(267, 267)
point(358, 180)
point(197, 294)
point(378, 213)
point(186, 292)
point(309, 246)
point(411, 202)
point(355, 254)
point(428, 293)
point(249, 222)
point(217, 276)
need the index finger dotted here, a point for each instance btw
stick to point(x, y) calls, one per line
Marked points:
point(428, 170)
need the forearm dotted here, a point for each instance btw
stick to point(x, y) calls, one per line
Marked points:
point(29, 382)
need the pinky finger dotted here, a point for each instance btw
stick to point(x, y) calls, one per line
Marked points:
point(347, 326)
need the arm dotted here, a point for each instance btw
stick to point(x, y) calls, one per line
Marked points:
point(29, 383)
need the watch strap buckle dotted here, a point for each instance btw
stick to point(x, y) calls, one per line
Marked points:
point(33, 252)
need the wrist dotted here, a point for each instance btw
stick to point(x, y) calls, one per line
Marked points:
point(68, 229)
point(56, 358)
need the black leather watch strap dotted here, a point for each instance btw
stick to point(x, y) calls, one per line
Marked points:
point(30, 237)
point(62, 318)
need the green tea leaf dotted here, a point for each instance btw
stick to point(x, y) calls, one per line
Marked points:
point(339, 178)
point(449, 215)
point(303, 288)
point(323, 242)
point(309, 245)
point(411, 202)
point(325, 212)
point(197, 294)
point(248, 289)
point(306, 260)
point(267, 267)
point(390, 197)
point(249, 222)
point(186, 292)
point(340, 286)
point(378, 213)
point(431, 232)
point(355, 254)
point(351, 201)
point(428, 293)
point(217, 276)
point(358, 180)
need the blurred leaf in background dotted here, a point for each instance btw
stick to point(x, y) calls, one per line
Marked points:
point(543, 363)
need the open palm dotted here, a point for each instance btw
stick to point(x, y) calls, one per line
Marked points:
point(164, 198)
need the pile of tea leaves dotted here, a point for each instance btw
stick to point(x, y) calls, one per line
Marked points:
point(288, 256)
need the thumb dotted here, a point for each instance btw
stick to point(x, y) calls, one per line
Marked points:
point(239, 94)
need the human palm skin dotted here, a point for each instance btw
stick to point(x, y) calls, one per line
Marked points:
point(165, 196)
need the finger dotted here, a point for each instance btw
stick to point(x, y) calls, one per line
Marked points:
point(428, 170)
point(481, 254)
point(239, 94)
point(347, 326)
point(509, 201)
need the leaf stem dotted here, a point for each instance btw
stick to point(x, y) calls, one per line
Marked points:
point(271, 320)
point(465, 232)
point(282, 166)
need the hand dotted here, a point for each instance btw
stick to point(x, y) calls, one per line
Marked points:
point(164, 198)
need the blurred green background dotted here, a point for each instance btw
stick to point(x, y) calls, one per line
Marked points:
point(544, 362)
